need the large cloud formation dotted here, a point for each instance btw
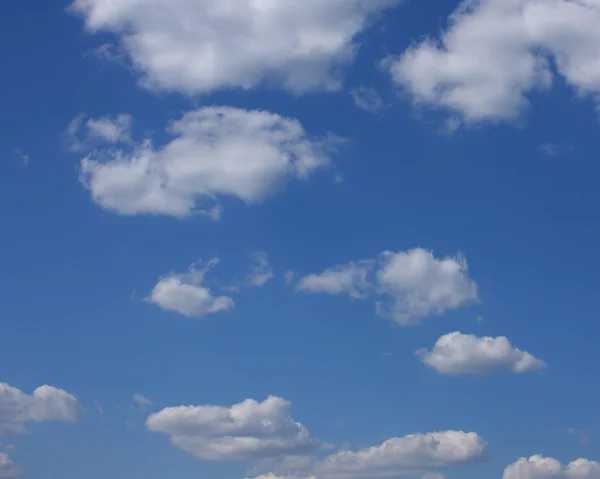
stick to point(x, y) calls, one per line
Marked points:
point(205, 45)
point(215, 152)
point(495, 52)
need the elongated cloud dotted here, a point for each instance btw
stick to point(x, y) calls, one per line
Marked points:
point(458, 353)
point(205, 45)
point(215, 152)
point(248, 430)
point(410, 285)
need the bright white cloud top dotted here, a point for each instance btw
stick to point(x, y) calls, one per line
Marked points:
point(456, 354)
point(540, 467)
point(206, 45)
point(495, 52)
point(414, 284)
point(214, 152)
point(249, 430)
point(186, 294)
point(47, 403)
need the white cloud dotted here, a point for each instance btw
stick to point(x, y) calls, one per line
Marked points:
point(45, 404)
point(7, 467)
point(205, 45)
point(411, 455)
point(22, 156)
point(415, 283)
point(495, 52)
point(83, 134)
point(367, 99)
point(422, 285)
point(457, 353)
point(141, 401)
point(186, 294)
point(215, 152)
point(351, 278)
point(248, 430)
point(540, 467)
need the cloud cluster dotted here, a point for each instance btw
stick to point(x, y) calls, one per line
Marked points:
point(540, 467)
point(214, 152)
point(7, 468)
point(248, 430)
point(186, 293)
point(206, 45)
point(495, 52)
point(414, 284)
point(457, 353)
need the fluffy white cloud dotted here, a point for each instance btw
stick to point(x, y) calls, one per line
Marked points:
point(540, 467)
point(45, 404)
point(495, 52)
point(350, 278)
point(83, 134)
point(414, 284)
point(457, 353)
point(215, 152)
point(204, 45)
point(248, 430)
point(186, 294)
point(411, 455)
point(7, 467)
point(422, 285)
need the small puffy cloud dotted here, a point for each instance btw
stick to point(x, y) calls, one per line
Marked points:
point(141, 401)
point(411, 285)
point(540, 467)
point(8, 468)
point(202, 46)
point(214, 152)
point(457, 353)
point(367, 99)
point(415, 454)
point(186, 294)
point(422, 285)
point(351, 278)
point(250, 430)
point(45, 404)
point(579, 433)
point(494, 53)
point(86, 133)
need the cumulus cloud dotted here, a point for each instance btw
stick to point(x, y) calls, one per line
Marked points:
point(351, 278)
point(495, 52)
point(424, 455)
point(457, 353)
point(410, 455)
point(540, 467)
point(215, 152)
point(86, 133)
point(249, 430)
point(412, 285)
point(186, 293)
point(7, 467)
point(45, 404)
point(201, 46)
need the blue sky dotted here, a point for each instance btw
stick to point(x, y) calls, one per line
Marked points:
point(381, 215)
